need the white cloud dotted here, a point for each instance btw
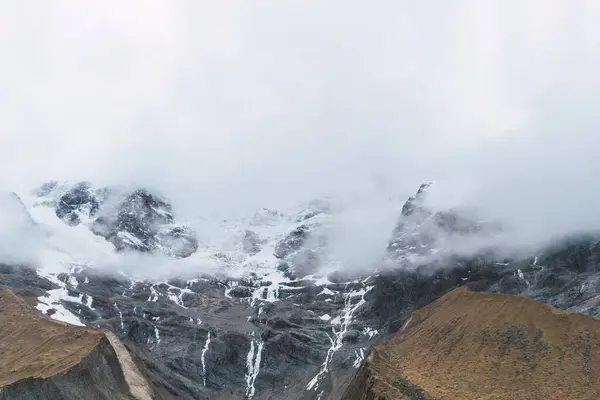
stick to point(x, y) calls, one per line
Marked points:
point(228, 106)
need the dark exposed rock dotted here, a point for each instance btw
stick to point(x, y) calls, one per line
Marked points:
point(292, 242)
point(240, 292)
point(79, 201)
point(134, 225)
point(138, 221)
point(144, 222)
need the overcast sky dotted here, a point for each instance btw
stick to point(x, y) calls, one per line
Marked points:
point(240, 104)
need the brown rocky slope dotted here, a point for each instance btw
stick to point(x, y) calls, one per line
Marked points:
point(472, 345)
point(45, 359)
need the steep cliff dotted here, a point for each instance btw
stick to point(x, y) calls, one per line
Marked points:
point(472, 345)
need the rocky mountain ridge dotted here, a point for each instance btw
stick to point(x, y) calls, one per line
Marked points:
point(273, 315)
point(135, 221)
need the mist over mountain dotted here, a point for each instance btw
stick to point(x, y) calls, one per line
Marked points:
point(252, 196)
point(206, 105)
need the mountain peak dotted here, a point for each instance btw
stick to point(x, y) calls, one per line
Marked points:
point(416, 203)
point(135, 220)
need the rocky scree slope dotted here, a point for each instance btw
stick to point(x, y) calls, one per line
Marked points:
point(472, 345)
point(273, 316)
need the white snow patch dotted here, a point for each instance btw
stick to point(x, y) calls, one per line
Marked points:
point(370, 332)
point(360, 356)
point(73, 281)
point(53, 298)
point(327, 292)
point(156, 335)
point(522, 277)
point(153, 294)
point(129, 238)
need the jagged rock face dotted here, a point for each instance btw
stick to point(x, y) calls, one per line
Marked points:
point(79, 201)
point(140, 221)
point(292, 242)
point(300, 332)
point(300, 252)
point(565, 275)
point(144, 222)
point(421, 232)
point(133, 225)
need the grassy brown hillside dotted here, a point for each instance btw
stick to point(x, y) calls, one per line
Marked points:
point(49, 360)
point(33, 346)
point(472, 345)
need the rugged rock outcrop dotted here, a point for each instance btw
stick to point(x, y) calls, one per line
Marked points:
point(45, 359)
point(144, 222)
point(134, 221)
point(78, 202)
point(300, 251)
point(422, 233)
point(470, 345)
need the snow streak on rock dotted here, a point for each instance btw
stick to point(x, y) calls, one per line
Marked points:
point(156, 335)
point(360, 356)
point(339, 330)
point(175, 294)
point(153, 294)
point(204, 350)
point(253, 365)
point(120, 317)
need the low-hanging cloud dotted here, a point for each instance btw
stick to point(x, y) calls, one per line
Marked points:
point(229, 107)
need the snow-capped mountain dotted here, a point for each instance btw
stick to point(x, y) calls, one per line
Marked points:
point(261, 307)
